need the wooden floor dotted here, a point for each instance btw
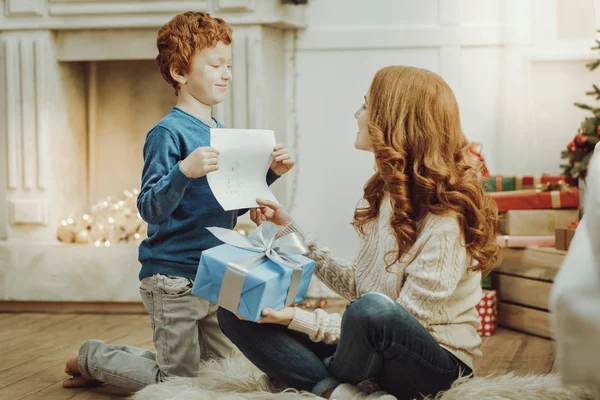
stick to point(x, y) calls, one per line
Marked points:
point(35, 346)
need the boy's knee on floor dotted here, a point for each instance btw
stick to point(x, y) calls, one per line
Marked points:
point(91, 346)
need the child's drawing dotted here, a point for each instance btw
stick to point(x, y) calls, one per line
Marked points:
point(233, 180)
point(244, 159)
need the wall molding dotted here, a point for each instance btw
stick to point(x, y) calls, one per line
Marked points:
point(412, 36)
point(28, 211)
point(233, 5)
point(13, 111)
point(106, 44)
point(42, 113)
point(28, 114)
point(562, 55)
point(115, 14)
point(25, 66)
point(120, 8)
point(3, 147)
point(25, 8)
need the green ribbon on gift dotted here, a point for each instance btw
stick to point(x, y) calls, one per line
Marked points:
point(264, 243)
point(499, 184)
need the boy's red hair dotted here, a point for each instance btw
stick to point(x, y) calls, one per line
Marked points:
point(182, 37)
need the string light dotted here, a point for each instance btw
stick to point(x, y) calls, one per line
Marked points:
point(110, 221)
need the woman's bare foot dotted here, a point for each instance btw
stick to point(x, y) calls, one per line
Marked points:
point(72, 367)
point(80, 382)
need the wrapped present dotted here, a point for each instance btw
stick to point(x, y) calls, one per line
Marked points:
point(499, 184)
point(487, 313)
point(248, 274)
point(511, 183)
point(536, 199)
point(486, 282)
point(535, 222)
point(525, 182)
point(565, 235)
point(512, 241)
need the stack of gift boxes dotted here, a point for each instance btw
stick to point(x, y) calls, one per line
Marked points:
point(533, 211)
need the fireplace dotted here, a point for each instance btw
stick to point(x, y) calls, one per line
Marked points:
point(81, 91)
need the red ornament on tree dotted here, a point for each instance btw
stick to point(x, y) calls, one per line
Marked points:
point(580, 150)
point(571, 146)
point(580, 140)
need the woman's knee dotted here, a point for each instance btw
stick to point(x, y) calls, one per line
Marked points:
point(372, 302)
point(227, 320)
point(375, 307)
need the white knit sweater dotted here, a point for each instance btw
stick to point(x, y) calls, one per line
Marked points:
point(437, 287)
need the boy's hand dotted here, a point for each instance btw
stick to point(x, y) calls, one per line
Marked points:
point(282, 160)
point(200, 162)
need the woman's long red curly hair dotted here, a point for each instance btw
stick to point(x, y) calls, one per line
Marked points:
point(183, 36)
point(422, 162)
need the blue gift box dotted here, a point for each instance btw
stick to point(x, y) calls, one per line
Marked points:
point(265, 286)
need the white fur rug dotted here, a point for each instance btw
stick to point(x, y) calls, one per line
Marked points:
point(237, 378)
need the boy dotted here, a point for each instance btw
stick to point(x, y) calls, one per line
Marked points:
point(176, 201)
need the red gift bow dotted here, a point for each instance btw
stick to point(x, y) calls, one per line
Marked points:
point(475, 149)
point(552, 186)
point(573, 225)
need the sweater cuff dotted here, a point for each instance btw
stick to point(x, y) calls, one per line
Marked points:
point(304, 321)
point(292, 227)
point(179, 182)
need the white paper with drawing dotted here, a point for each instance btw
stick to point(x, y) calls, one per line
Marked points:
point(244, 160)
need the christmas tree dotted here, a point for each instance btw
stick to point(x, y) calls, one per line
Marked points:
point(579, 150)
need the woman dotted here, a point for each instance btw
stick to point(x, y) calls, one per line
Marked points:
point(427, 231)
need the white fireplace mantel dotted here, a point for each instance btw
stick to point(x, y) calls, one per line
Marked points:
point(115, 14)
point(48, 52)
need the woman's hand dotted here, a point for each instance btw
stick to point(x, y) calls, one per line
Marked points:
point(282, 317)
point(270, 211)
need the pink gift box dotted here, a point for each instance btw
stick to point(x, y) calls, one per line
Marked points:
point(515, 241)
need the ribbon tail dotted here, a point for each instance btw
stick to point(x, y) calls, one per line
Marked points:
point(233, 238)
point(290, 244)
point(231, 287)
point(294, 287)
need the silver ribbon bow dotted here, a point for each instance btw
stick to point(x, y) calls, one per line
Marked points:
point(263, 242)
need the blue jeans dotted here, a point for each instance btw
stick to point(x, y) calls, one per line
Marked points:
point(379, 339)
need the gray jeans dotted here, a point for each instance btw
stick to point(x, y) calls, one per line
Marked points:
point(185, 329)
